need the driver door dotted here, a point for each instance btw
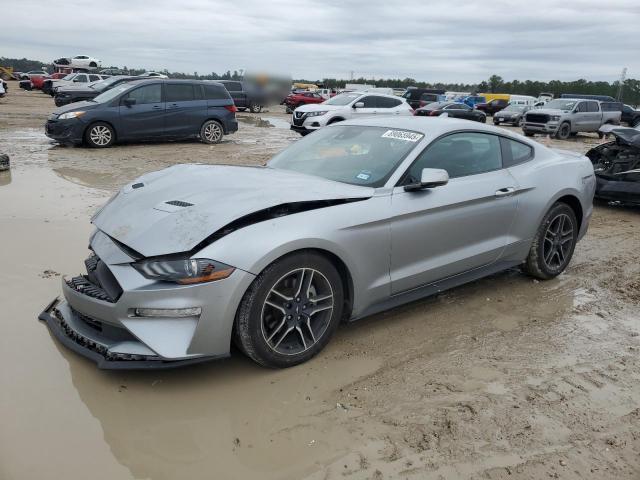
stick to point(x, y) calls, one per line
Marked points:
point(370, 106)
point(145, 117)
point(444, 231)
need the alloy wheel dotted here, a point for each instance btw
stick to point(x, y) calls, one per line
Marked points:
point(297, 311)
point(213, 132)
point(100, 135)
point(558, 242)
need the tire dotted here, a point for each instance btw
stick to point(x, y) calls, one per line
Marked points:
point(253, 108)
point(99, 135)
point(527, 133)
point(483, 119)
point(564, 131)
point(93, 65)
point(211, 132)
point(278, 330)
point(520, 123)
point(495, 122)
point(636, 123)
point(554, 243)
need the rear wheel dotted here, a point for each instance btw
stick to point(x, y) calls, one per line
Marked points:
point(100, 135)
point(211, 132)
point(255, 108)
point(290, 311)
point(554, 243)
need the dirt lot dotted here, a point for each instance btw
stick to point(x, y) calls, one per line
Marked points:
point(503, 378)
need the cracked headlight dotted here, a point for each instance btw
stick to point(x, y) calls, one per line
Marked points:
point(184, 271)
point(316, 114)
point(69, 115)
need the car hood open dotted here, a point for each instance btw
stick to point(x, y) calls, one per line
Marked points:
point(175, 209)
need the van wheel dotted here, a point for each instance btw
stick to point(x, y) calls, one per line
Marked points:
point(253, 108)
point(99, 135)
point(527, 133)
point(564, 131)
point(211, 132)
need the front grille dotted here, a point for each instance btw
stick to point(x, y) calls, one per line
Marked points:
point(537, 118)
point(82, 285)
point(98, 283)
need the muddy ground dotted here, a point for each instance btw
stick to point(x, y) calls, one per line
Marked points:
point(503, 378)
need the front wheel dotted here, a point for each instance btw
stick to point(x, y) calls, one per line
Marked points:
point(564, 131)
point(290, 311)
point(554, 243)
point(100, 135)
point(254, 108)
point(211, 132)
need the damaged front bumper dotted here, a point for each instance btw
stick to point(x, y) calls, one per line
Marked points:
point(95, 350)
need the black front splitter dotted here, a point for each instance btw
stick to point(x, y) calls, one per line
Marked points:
point(102, 362)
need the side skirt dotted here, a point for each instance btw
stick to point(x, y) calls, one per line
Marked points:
point(435, 288)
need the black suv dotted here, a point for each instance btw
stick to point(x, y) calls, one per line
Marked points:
point(158, 109)
point(414, 95)
point(245, 95)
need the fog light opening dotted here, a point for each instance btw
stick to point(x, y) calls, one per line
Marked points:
point(167, 312)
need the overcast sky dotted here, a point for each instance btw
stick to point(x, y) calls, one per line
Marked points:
point(435, 40)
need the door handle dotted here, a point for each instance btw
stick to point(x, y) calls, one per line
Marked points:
point(505, 192)
point(173, 105)
point(157, 107)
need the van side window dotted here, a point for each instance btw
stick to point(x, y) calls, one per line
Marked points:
point(146, 94)
point(179, 92)
point(592, 107)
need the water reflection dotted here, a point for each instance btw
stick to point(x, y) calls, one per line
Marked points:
point(5, 178)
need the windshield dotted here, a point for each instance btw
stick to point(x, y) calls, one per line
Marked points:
point(352, 154)
point(560, 104)
point(111, 94)
point(102, 85)
point(343, 99)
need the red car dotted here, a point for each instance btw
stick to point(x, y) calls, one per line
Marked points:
point(294, 100)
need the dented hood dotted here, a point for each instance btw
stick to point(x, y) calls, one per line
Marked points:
point(175, 209)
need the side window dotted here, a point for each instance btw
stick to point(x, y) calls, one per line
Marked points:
point(234, 86)
point(179, 92)
point(582, 107)
point(455, 106)
point(460, 154)
point(94, 78)
point(514, 152)
point(369, 102)
point(80, 79)
point(592, 107)
point(213, 92)
point(384, 102)
point(146, 94)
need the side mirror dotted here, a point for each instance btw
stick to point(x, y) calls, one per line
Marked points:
point(430, 178)
point(129, 101)
point(358, 105)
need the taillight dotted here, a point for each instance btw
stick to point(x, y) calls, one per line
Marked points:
point(231, 108)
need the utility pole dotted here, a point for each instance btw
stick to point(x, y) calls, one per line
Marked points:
point(623, 75)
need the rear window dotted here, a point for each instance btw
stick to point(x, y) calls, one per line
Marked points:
point(613, 107)
point(385, 102)
point(233, 86)
point(179, 92)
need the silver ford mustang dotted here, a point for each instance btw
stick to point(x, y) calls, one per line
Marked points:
point(358, 217)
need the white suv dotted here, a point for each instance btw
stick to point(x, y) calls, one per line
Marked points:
point(307, 118)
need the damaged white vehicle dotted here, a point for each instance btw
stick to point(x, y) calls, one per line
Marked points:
point(359, 217)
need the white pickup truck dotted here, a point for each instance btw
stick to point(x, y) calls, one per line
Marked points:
point(564, 117)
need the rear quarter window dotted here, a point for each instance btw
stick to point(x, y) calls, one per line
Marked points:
point(214, 92)
point(514, 152)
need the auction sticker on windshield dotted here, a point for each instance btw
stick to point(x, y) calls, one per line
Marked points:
point(403, 135)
